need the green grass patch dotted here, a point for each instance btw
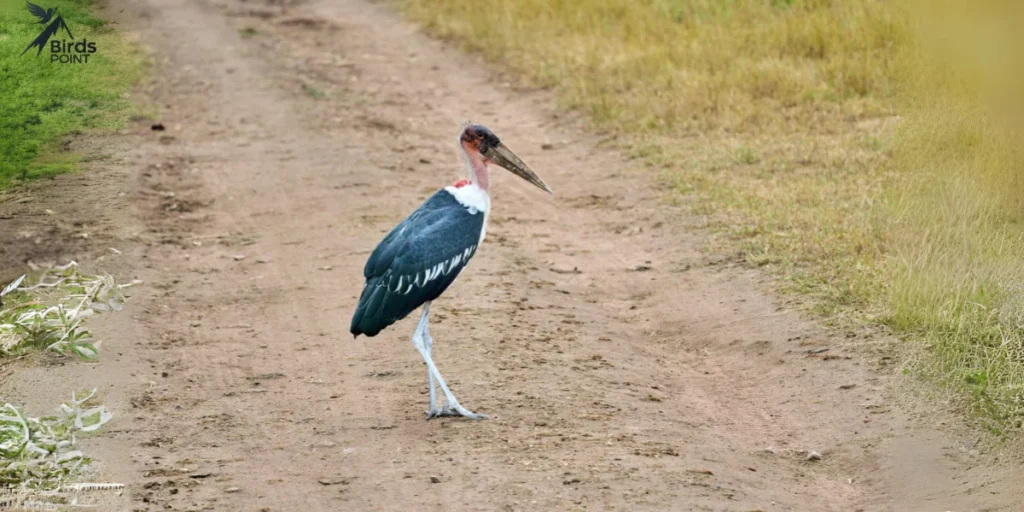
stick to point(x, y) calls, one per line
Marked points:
point(44, 102)
point(867, 152)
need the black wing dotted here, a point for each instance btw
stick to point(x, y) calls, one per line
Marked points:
point(37, 11)
point(416, 262)
point(48, 32)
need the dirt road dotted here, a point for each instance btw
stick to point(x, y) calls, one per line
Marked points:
point(622, 368)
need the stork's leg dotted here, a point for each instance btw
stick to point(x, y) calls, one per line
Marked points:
point(422, 336)
point(429, 342)
point(421, 340)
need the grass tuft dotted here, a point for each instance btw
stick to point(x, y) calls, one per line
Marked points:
point(313, 91)
point(51, 314)
point(39, 454)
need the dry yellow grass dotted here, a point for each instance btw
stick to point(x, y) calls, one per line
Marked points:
point(672, 66)
point(958, 208)
point(863, 150)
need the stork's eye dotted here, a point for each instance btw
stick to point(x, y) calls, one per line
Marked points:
point(470, 135)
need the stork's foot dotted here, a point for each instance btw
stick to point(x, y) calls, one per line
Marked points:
point(454, 410)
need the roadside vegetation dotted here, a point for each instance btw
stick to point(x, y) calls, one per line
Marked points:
point(45, 102)
point(51, 313)
point(867, 152)
point(38, 456)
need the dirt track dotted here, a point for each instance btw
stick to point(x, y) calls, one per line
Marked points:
point(622, 369)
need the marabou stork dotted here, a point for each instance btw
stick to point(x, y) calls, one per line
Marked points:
point(421, 257)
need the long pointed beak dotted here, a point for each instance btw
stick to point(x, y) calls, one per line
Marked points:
point(504, 157)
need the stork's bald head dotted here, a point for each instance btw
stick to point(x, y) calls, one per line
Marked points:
point(477, 138)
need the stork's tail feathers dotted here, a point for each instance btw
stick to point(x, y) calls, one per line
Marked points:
point(369, 319)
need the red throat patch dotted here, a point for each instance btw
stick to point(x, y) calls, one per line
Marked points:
point(461, 183)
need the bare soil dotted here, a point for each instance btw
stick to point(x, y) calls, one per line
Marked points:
point(622, 368)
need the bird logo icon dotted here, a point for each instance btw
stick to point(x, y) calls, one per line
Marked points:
point(53, 22)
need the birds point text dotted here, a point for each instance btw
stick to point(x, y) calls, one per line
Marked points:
point(71, 52)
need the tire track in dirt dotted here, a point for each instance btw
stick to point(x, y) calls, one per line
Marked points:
point(621, 368)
